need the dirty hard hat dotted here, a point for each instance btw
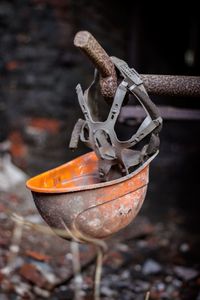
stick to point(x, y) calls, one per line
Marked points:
point(101, 192)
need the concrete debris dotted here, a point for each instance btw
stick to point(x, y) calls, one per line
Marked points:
point(185, 273)
point(151, 267)
point(10, 175)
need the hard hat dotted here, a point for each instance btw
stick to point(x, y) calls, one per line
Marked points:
point(99, 193)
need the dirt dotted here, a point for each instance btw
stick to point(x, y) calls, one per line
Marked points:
point(157, 257)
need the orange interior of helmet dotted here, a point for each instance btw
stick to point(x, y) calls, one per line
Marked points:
point(81, 171)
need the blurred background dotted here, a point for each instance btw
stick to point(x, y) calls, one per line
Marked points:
point(40, 67)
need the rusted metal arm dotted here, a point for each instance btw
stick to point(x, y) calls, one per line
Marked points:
point(169, 85)
point(89, 45)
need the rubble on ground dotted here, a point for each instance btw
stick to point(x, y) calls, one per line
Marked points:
point(158, 257)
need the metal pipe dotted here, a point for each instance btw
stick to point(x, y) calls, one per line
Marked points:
point(168, 85)
point(89, 45)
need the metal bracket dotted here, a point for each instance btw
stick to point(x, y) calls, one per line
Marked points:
point(101, 135)
point(129, 74)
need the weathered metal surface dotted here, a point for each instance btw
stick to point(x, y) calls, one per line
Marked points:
point(187, 86)
point(73, 195)
point(184, 86)
point(89, 45)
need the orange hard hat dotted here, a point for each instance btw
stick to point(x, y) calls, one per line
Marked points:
point(72, 194)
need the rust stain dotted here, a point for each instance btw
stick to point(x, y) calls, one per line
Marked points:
point(38, 256)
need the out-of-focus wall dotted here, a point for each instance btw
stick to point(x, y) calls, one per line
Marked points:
point(40, 68)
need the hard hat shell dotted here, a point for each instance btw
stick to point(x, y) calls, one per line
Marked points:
point(72, 197)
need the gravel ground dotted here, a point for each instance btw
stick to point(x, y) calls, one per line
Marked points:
point(160, 258)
